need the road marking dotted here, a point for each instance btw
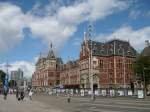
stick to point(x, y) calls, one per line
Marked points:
point(120, 106)
point(115, 100)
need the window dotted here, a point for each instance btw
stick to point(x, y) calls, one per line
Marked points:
point(110, 64)
point(119, 64)
point(87, 65)
point(128, 76)
point(94, 62)
point(111, 80)
point(130, 64)
point(110, 75)
point(101, 64)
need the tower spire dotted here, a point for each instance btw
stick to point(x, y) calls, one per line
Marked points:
point(85, 37)
point(51, 46)
point(51, 53)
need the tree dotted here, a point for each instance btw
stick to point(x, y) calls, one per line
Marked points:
point(142, 68)
point(2, 77)
point(12, 83)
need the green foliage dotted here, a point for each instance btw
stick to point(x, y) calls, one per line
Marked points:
point(2, 77)
point(142, 68)
point(12, 83)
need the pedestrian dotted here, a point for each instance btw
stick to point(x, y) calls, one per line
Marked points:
point(57, 95)
point(22, 95)
point(30, 94)
point(18, 96)
point(5, 95)
point(17, 93)
point(68, 98)
point(5, 92)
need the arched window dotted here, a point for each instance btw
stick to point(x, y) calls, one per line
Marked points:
point(101, 64)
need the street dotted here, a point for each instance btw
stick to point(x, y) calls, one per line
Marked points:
point(79, 104)
point(43, 103)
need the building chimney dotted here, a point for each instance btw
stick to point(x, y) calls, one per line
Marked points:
point(147, 44)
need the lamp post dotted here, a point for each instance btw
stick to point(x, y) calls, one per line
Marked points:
point(124, 72)
point(90, 61)
point(90, 70)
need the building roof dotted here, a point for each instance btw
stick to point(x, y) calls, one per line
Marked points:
point(40, 60)
point(71, 64)
point(59, 60)
point(51, 53)
point(113, 47)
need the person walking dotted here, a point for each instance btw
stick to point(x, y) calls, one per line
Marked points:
point(17, 93)
point(22, 95)
point(5, 92)
point(30, 94)
point(68, 98)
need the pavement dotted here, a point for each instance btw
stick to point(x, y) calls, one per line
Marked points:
point(101, 104)
point(45, 103)
point(13, 105)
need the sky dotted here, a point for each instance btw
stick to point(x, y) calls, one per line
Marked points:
point(28, 27)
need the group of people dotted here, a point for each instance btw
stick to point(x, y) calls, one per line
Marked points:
point(20, 94)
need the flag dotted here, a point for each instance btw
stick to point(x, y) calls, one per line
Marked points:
point(6, 85)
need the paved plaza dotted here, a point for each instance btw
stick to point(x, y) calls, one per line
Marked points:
point(43, 103)
point(13, 105)
point(79, 104)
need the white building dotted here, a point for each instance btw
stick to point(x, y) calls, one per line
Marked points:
point(17, 76)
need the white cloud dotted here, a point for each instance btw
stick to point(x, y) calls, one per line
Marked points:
point(89, 10)
point(101, 9)
point(27, 67)
point(135, 37)
point(59, 27)
point(11, 25)
point(52, 23)
point(50, 30)
point(134, 14)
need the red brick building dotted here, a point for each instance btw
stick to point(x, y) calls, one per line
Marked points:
point(70, 75)
point(111, 63)
point(47, 73)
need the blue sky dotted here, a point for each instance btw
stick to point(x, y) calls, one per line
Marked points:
point(27, 27)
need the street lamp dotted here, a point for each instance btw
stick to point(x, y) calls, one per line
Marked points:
point(90, 61)
point(91, 72)
point(124, 72)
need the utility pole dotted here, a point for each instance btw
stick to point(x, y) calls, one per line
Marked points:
point(115, 72)
point(69, 68)
point(91, 73)
point(7, 66)
point(124, 71)
point(108, 76)
point(91, 62)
